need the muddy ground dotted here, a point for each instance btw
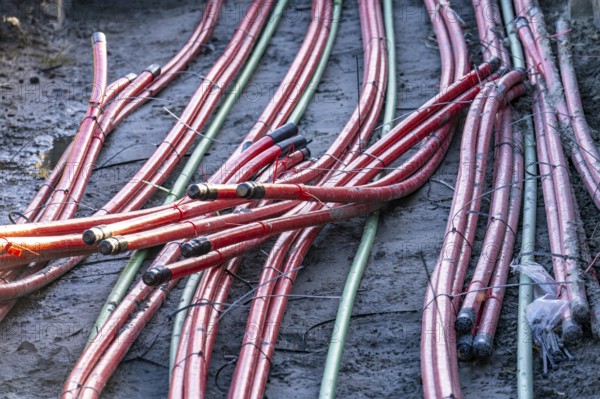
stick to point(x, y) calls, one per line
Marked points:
point(45, 72)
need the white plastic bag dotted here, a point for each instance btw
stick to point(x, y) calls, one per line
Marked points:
point(545, 312)
point(545, 284)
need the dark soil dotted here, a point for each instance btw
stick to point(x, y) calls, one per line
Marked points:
point(45, 71)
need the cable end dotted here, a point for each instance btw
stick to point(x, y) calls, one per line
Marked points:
point(93, 235)
point(306, 153)
point(156, 276)
point(571, 331)
point(464, 347)
point(154, 69)
point(465, 320)
point(113, 245)
point(98, 37)
point(292, 144)
point(284, 132)
point(195, 247)
point(483, 346)
point(202, 192)
point(131, 76)
point(250, 190)
point(580, 311)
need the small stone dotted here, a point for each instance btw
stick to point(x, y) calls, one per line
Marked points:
point(34, 80)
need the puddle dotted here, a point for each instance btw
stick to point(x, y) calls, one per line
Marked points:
point(49, 159)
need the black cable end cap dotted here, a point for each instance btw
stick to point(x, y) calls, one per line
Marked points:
point(186, 249)
point(464, 347)
point(113, 246)
point(98, 37)
point(89, 237)
point(295, 143)
point(195, 247)
point(250, 190)
point(284, 132)
point(571, 331)
point(197, 191)
point(154, 69)
point(244, 190)
point(306, 153)
point(106, 247)
point(93, 235)
point(465, 320)
point(156, 276)
point(193, 191)
point(201, 192)
point(483, 346)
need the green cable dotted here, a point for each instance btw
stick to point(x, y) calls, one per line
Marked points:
point(245, 75)
point(294, 117)
point(179, 187)
point(297, 113)
point(524, 347)
point(336, 346)
point(182, 310)
point(518, 58)
point(118, 291)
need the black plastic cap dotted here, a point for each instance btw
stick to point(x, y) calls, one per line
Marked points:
point(156, 276)
point(284, 132)
point(306, 153)
point(93, 235)
point(571, 331)
point(201, 192)
point(106, 247)
point(98, 37)
point(89, 237)
point(464, 347)
point(483, 346)
point(187, 249)
point(465, 320)
point(113, 245)
point(194, 191)
point(293, 143)
point(250, 190)
point(196, 247)
point(154, 69)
